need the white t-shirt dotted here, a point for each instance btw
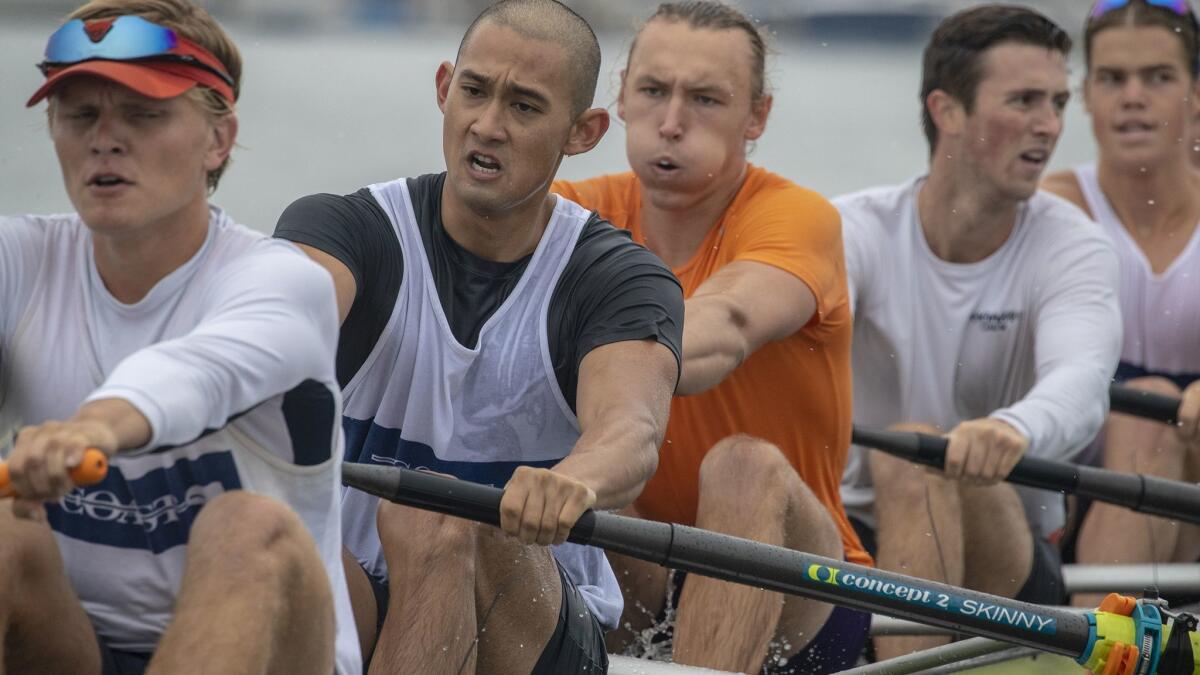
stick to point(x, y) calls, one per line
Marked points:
point(231, 359)
point(1030, 335)
point(1161, 311)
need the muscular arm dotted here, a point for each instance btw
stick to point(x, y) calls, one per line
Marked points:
point(623, 400)
point(736, 311)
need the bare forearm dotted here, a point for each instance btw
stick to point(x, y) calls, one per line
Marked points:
point(128, 426)
point(713, 346)
point(616, 460)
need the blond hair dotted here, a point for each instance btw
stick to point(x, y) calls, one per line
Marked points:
point(194, 23)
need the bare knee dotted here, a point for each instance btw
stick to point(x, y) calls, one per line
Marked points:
point(900, 482)
point(418, 542)
point(741, 465)
point(253, 534)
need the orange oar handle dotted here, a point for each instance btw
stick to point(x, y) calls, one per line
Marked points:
point(91, 470)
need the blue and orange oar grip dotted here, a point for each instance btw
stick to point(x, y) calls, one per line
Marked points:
point(91, 470)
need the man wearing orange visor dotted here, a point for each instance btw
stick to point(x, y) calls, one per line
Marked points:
point(196, 354)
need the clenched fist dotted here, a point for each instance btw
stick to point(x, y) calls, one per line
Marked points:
point(983, 451)
point(540, 506)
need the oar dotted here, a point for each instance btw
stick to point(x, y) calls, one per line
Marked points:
point(91, 470)
point(775, 568)
point(1146, 494)
point(1145, 404)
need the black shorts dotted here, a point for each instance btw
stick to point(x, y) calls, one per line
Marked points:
point(835, 647)
point(1044, 586)
point(576, 646)
point(117, 662)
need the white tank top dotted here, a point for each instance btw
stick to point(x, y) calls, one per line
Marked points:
point(1161, 312)
point(423, 400)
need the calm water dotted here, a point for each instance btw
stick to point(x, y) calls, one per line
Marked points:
point(331, 113)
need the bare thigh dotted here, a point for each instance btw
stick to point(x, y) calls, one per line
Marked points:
point(44, 628)
point(518, 594)
point(998, 544)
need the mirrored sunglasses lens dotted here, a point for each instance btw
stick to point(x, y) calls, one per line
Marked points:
point(1105, 6)
point(128, 37)
point(1180, 7)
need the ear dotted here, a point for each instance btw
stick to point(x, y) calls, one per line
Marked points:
point(758, 117)
point(445, 73)
point(221, 142)
point(948, 113)
point(621, 97)
point(587, 131)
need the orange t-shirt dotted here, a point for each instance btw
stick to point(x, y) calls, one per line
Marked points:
point(793, 392)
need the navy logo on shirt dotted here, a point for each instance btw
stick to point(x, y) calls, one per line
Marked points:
point(370, 443)
point(995, 321)
point(153, 512)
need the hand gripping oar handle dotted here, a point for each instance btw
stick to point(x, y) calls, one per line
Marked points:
point(1146, 494)
point(748, 562)
point(91, 470)
point(1144, 404)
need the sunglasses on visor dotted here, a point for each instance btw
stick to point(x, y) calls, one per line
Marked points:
point(126, 38)
point(1180, 7)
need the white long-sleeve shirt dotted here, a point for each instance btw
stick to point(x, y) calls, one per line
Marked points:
point(231, 359)
point(1030, 335)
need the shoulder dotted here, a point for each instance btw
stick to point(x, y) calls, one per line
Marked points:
point(603, 246)
point(1056, 216)
point(29, 229)
point(883, 208)
point(765, 192)
point(1065, 184)
point(246, 261)
point(602, 193)
point(324, 210)
point(1062, 234)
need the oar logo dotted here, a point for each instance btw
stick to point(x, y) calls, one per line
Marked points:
point(824, 574)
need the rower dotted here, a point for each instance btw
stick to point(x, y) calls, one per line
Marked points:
point(1141, 91)
point(502, 335)
point(984, 310)
point(759, 429)
point(194, 352)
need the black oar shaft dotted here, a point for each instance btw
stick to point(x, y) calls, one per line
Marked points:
point(1145, 404)
point(747, 562)
point(1145, 494)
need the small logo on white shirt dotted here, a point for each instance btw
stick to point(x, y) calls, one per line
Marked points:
point(995, 321)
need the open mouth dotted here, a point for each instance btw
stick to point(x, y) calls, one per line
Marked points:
point(107, 180)
point(1134, 127)
point(665, 164)
point(485, 164)
point(1037, 157)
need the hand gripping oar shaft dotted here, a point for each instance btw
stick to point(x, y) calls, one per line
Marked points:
point(1146, 494)
point(1145, 404)
point(91, 470)
point(748, 562)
